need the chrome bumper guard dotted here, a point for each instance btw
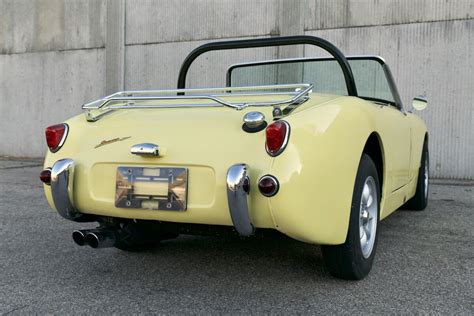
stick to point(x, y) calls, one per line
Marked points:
point(62, 179)
point(237, 195)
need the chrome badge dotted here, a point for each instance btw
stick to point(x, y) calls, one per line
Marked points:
point(111, 141)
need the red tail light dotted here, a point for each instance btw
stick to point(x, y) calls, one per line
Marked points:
point(55, 136)
point(277, 137)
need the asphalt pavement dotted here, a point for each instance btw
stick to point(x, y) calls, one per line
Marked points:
point(424, 264)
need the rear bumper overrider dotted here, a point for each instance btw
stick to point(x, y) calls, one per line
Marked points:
point(238, 189)
point(62, 188)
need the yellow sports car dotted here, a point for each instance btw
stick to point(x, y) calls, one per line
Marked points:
point(319, 149)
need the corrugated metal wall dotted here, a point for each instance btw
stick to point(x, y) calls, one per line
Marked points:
point(54, 56)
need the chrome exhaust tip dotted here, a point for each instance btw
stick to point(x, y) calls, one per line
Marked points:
point(100, 238)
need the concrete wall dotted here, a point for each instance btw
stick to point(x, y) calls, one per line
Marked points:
point(52, 59)
point(57, 54)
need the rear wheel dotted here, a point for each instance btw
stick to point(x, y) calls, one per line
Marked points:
point(353, 259)
point(420, 200)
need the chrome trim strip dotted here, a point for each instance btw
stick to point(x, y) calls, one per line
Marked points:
point(62, 188)
point(285, 141)
point(237, 180)
point(146, 149)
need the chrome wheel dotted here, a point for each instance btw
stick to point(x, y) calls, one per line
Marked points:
point(425, 176)
point(368, 217)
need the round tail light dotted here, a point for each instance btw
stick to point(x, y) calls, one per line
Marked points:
point(277, 135)
point(45, 176)
point(268, 185)
point(55, 136)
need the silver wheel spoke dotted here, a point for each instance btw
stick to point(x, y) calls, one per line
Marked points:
point(365, 194)
point(370, 201)
point(363, 239)
point(367, 214)
point(367, 231)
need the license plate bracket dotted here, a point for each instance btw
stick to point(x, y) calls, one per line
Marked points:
point(154, 188)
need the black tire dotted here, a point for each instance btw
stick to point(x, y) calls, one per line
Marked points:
point(420, 200)
point(347, 261)
point(140, 237)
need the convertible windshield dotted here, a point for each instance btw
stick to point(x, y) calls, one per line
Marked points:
point(324, 73)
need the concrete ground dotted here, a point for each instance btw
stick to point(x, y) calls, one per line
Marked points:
point(424, 264)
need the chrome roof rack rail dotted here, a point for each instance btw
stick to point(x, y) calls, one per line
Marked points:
point(131, 99)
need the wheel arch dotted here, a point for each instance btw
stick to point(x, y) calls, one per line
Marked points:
point(374, 148)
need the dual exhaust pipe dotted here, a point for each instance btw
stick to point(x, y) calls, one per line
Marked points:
point(96, 238)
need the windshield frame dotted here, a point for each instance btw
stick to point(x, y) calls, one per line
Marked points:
point(388, 74)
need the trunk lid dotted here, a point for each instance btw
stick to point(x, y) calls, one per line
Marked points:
point(206, 141)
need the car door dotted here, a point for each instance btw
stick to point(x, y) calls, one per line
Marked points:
point(394, 127)
point(374, 82)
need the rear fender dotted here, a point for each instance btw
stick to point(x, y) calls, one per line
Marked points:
point(318, 168)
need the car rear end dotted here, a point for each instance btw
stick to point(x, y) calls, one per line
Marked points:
point(183, 165)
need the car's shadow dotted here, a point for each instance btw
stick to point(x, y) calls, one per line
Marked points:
point(216, 259)
point(227, 258)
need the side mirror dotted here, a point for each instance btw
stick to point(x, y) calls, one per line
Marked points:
point(420, 103)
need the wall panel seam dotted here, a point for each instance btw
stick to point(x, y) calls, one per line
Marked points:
point(201, 40)
point(53, 51)
point(384, 24)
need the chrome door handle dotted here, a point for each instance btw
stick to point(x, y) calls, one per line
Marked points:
point(146, 149)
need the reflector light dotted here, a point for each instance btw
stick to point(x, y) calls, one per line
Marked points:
point(277, 135)
point(268, 185)
point(55, 136)
point(45, 176)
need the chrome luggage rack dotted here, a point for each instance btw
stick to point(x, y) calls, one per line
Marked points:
point(130, 99)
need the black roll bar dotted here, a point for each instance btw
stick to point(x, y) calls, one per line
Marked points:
point(272, 41)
